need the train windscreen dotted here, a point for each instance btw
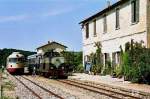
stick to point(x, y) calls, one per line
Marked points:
point(14, 60)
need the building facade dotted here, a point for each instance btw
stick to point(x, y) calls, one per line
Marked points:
point(114, 26)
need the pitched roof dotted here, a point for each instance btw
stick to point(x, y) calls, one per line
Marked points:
point(103, 11)
point(50, 43)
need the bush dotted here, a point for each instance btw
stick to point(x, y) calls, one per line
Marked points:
point(144, 66)
point(96, 69)
point(108, 68)
point(117, 71)
point(79, 68)
point(96, 59)
point(136, 63)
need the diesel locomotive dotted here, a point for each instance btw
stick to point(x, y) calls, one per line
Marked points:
point(51, 65)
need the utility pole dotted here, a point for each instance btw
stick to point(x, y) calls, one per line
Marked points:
point(1, 81)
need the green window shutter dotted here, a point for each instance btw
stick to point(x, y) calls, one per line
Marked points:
point(104, 24)
point(117, 18)
point(135, 4)
point(137, 10)
point(94, 26)
point(132, 11)
point(87, 30)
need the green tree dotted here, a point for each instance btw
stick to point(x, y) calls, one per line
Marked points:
point(96, 59)
point(74, 59)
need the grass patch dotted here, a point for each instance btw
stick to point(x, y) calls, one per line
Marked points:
point(9, 86)
point(7, 97)
point(4, 78)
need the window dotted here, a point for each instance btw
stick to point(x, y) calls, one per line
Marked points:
point(44, 65)
point(94, 26)
point(88, 58)
point(21, 59)
point(107, 58)
point(105, 24)
point(114, 59)
point(118, 57)
point(117, 18)
point(135, 11)
point(13, 60)
point(87, 30)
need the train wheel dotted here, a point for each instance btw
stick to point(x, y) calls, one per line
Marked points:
point(47, 75)
point(63, 77)
point(41, 73)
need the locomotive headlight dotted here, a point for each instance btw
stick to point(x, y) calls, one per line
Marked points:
point(62, 68)
point(51, 68)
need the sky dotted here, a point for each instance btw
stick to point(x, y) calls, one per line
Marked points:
point(28, 24)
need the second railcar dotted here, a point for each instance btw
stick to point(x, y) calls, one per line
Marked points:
point(31, 63)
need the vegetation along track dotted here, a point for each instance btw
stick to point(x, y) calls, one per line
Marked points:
point(46, 90)
point(100, 90)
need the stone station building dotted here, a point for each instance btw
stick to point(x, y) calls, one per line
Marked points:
point(114, 26)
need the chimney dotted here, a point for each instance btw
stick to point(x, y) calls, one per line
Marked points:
point(108, 3)
point(49, 42)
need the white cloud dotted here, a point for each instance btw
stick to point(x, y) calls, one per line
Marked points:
point(61, 10)
point(13, 18)
point(56, 12)
point(52, 12)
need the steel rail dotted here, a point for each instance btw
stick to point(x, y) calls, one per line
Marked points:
point(50, 92)
point(123, 94)
point(112, 94)
point(33, 92)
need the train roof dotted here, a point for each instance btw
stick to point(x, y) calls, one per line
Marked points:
point(32, 56)
point(15, 55)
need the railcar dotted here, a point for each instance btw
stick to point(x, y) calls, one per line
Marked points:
point(31, 63)
point(15, 63)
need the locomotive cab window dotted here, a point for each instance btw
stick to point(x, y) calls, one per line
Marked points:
point(44, 65)
point(21, 59)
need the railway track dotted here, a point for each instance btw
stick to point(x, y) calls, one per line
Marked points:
point(35, 93)
point(100, 90)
